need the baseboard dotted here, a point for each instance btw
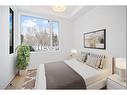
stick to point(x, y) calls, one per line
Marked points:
point(11, 79)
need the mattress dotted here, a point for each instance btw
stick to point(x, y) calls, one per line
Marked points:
point(89, 74)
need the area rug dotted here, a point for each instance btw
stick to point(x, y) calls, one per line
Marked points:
point(30, 79)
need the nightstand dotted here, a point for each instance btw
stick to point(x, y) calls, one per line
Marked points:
point(113, 82)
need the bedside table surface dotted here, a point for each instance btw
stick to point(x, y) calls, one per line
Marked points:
point(116, 79)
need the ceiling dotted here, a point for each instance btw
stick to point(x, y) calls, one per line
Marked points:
point(71, 12)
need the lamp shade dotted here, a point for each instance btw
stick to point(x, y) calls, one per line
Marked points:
point(121, 63)
point(73, 51)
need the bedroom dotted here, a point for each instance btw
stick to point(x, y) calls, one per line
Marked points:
point(71, 26)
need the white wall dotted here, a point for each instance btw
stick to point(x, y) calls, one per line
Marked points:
point(111, 18)
point(7, 61)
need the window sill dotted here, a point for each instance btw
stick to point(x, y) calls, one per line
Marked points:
point(44, 52)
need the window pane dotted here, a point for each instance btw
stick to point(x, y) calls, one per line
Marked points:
point(38, 33)
point(55, 36)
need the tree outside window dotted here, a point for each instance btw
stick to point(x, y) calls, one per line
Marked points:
point(40, 34)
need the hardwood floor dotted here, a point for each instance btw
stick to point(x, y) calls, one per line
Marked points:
point(16, 83)
point(24, 82)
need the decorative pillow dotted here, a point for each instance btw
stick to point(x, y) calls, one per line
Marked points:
point(85, 55)
point(103, 61)
point(91, 61)
point(82, 57)
point(99, 58)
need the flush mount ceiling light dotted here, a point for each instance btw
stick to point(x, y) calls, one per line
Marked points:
point(59, 8)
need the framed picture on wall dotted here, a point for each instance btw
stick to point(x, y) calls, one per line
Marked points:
point(11, 31)
point(95, 39)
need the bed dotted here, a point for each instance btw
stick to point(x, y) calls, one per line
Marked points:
point(93, 78)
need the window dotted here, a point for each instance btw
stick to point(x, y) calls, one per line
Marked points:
point(11, 31)
point(40, 34)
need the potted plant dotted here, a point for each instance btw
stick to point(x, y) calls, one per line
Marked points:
point(23, 58)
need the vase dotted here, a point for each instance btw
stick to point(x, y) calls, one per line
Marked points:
point(22, 72)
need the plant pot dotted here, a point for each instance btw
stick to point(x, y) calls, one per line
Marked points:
point(22, 72)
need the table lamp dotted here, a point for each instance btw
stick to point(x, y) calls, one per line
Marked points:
point(73, 53)
point(121, 66)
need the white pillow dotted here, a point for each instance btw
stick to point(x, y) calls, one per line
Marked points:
point(103, 61)
point(98, 63)
point(82, 57)
point(91, 61)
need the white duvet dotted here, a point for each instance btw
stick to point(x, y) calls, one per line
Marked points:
point(89, 74)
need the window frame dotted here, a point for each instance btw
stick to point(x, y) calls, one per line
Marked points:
point(40, 17)
point(11, 49)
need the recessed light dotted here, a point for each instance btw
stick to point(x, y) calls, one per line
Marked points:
point(59, 8)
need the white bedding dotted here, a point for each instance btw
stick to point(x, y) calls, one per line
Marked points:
point(89, 74)
point(40, 78)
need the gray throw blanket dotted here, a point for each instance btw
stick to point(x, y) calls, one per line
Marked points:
point(60, 76)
